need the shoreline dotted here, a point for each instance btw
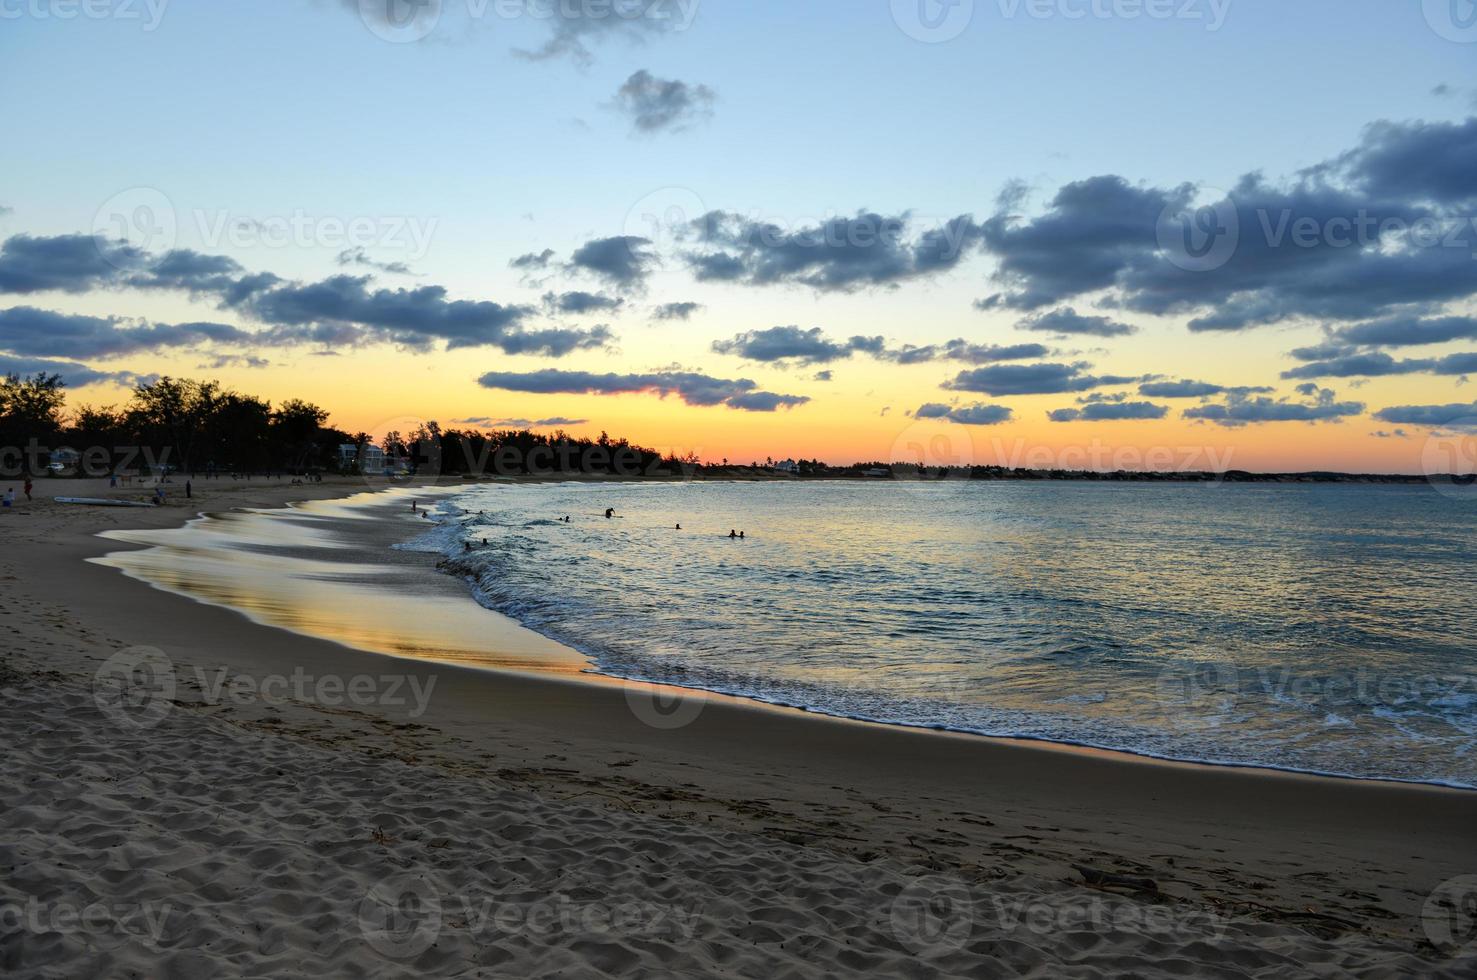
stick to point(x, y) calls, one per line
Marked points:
point(592, 674)
point(1262, 846)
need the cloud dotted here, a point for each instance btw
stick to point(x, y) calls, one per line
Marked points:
point(1356, 237)
point(574, 27)
point(962, 350)
point(690, 387)
point(976, 414)
point(1417, 161)
point(578, 302)
point(1067, 321)
point(823, 376)
point(1379, 364)
point(1180, 389)
point(792, 343)
point(1408, 331)
point(663, 104)
point(73, 374)
point(811, 346)
point(840, 254)
point(622, 260)
point(342, 310)
point(358, 256)
point(488, 422)
point(1464, 416)
point(1320, 406)
point(235, 360)
point(676, 311)
point(1109, 411)
point(65, 263)
point(533, 260)
point(1031, 379)
point(30, 332)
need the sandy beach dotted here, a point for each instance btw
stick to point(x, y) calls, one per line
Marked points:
point(283, 805)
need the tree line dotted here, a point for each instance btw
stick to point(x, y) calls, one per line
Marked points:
point(202, 426)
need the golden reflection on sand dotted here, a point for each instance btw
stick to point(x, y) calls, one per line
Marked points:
point(219, 559)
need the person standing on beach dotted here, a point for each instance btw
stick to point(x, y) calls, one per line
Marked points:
point(189, 490)
point(9, 497)
point(27, 489)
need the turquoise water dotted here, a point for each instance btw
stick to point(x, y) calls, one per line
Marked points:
point(1320, 628)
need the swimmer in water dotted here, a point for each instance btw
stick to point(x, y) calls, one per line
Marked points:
point(732, 533)
point(609, 513)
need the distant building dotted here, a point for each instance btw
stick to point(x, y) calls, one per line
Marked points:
point(787, 466)
point(373, 459)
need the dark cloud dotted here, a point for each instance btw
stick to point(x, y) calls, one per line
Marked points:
point(533, 260)
point(30, 332)
point(1458, 414)
point(1430, 161)
point(1067, 321)
point(66, 263)
point(360, 257)
point(573, 27)
point(1109, 411)
point(1031, 379)
point(342, 310)
point(676, 311)
point(488, 422)
point(823, 376)
point(1408, 331)
point(1180, 389)
point(962, 350)
point(975, 414)
point(655, 104)
point(840, 254)
point(1376, 364)
point(578, 302)
point(623, 260)
point(73, 374)
point(811, 346)
point(1362, 236)
point(692, 388)
point(413, 317)
point(1320, 405)
point(793, 343)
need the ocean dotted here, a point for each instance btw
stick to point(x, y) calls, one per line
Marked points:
point(1311, 627)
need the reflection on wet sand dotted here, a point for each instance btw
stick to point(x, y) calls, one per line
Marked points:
point(309, 569)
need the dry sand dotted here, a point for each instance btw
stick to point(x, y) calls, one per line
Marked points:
point(527, 826)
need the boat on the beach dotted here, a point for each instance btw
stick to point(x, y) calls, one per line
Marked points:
point(101, 502)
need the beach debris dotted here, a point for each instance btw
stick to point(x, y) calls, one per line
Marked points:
point(381, 838)
point(1107, 879)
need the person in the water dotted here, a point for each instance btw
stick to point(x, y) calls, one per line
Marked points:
point(732, 533)
point(609, 513)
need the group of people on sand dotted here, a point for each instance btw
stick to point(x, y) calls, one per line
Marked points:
point(9, 499)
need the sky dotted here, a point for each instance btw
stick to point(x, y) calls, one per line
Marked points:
point(1135, 234)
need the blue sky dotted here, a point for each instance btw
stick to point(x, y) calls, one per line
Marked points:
point(806, 111)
